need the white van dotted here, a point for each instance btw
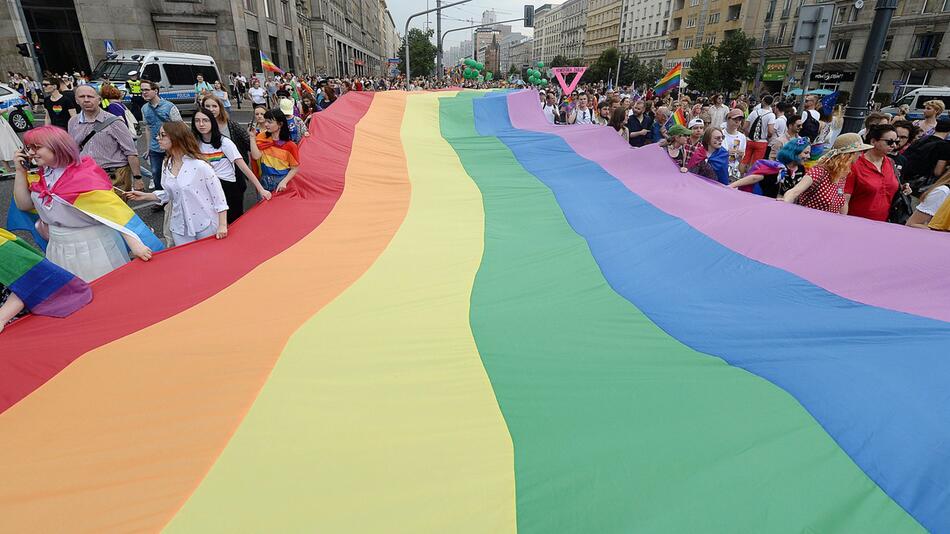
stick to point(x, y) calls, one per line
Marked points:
point(915, 101)
point(175, 71)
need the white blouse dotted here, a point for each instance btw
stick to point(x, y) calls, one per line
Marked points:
point(196, 196)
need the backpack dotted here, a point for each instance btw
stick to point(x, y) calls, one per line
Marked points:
point(756, 124)
point(810, 127)
point(920, 163)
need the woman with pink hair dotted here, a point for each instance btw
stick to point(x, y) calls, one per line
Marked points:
point(84, 220)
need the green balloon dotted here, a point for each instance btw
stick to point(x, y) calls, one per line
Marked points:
point(480, 66)
point(469, 62)
point(540, 64)
point(544, 83)
point(532, 73)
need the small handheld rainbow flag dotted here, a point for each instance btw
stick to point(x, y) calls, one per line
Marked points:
point(679, 117)
point(268, 65)
point(44, 287)
point(670, 81)
point(306, 87)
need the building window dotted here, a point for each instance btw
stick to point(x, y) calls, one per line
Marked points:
point(714, 18)
point(917, 77)
point(687, 43)
point(269, 10)
point(927, 45)
point(734, 12)
point(275, 50)
point(840, 13)
point(691, 22)
point(853, 17)
point(253, 42)
point(781, 32)
point(926, 7)
point(250, 5)
point(693, 3)
point(710, 40)
point(786, 8)
point(800, 65)
point(290, 55)
point(839, 49)
point(285, 7)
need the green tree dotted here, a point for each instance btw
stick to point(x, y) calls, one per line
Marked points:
point(605, 66)
point(512, 70)
point(421, 53)
point(733, 60)
point(704, 73)
point(630, 68)
point(653, 71)
point(559, 61)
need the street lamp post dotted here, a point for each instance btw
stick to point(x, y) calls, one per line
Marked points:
point(858, 105)
point(406, 35)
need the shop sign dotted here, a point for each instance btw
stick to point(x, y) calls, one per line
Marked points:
point(832, 76)
point(775, 70)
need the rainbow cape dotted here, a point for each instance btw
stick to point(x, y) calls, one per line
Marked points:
point(87, 188)
point(278, 158)
point(670, 81)
point(269, 65)
point(461, 318)
point(44, 287)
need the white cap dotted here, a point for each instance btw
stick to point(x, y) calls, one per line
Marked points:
point(696, 122)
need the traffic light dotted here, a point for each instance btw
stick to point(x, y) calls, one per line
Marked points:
point(529, 16)
point(24, 49)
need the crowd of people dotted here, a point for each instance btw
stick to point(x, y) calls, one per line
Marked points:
point(893, 170)
point(200, 169)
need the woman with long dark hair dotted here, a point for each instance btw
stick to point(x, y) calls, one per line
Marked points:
point(276, 153)
point(199, 207)
point(224, 157)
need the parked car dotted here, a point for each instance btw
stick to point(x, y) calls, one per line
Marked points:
point(915, 101)
point(175, 71)
point(15, 109)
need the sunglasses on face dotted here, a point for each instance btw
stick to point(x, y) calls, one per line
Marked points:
point(890, 142)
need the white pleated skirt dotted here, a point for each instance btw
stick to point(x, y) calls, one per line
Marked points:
point(87, 252)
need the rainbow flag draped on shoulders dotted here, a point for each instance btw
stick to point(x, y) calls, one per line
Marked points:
point(278, 156)
point(87, 188)
point(44, 287)
point(670, 81)
point(269, 65)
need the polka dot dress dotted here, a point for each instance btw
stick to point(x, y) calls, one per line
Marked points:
point(823, 194)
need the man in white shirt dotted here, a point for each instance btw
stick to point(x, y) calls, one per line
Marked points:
point(549, 109)
point(811, 126)
point(581, 114)
point(735, 142)
point(760, 128)
point(718, 111)
point(257, 93)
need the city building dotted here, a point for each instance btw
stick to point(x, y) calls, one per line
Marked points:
point(694, 23)
point(348, 37)
point(603, 27)
point(573, 28)
point(644, 28)
point(73, 34)
point(490, 56)
point(547, 32)
point(518, 54)
point(914, 54)
point(484, 37)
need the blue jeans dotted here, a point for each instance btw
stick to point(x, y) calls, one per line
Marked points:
point(155, 160)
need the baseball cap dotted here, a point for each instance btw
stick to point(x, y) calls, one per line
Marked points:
point(696, 122)
point(287, 107)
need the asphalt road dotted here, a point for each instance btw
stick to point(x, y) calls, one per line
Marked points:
point(145, 211)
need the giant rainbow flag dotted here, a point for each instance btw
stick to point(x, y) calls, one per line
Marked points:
point(463, 319)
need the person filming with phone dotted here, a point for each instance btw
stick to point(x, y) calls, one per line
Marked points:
point(86, 223)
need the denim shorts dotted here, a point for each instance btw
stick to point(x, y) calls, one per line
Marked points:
point(269, 181)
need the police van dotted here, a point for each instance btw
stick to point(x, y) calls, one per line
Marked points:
point(175, 71)
point(915, 100)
